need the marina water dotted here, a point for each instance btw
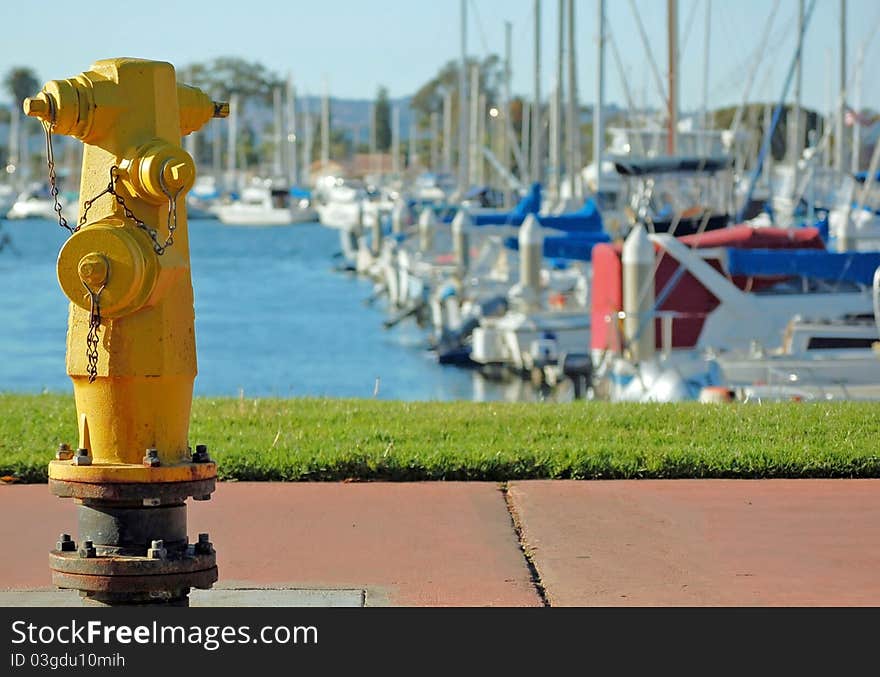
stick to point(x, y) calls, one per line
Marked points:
point(273, 319)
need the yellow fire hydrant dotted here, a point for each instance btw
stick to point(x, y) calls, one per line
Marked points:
point(130, 341)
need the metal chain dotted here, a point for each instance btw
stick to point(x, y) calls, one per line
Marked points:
point(94, 325)
point(50, 161)
point(92, 340)
point(158, 247)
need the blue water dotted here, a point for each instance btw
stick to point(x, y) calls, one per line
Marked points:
point(272, 319)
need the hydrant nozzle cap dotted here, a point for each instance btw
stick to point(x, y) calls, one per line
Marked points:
point(178, 174)
point(221, 109)
point(37, 106)
point(93, 270)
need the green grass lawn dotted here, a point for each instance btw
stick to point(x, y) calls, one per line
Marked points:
point(332, 439)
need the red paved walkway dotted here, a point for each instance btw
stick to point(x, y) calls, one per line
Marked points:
point(594, 543)
point(406, 544)
point(701, 542)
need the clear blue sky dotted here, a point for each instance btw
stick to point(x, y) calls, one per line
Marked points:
point(359, 44)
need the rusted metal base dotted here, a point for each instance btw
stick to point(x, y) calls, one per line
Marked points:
point(155, 493)
point(110, 579)
point(133, 544)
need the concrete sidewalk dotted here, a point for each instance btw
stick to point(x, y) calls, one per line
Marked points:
point(563, 543)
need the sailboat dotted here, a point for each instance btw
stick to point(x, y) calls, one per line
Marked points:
point(268, 202)
point(262, 204)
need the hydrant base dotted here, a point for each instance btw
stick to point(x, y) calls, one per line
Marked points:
point(163, 492)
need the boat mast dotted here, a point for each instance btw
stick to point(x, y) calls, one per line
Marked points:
point(395, 141)
point(479, 144)
point(672, 99)
point(855, 157)
point(704, 112)
point(507, 136)
point(325, 127)
point(447, 132)
point(292, 164)
point(598, 110)
point(840, 141)
point(12, 165)
point(435, 142)
point(232, 145)
point(412, 154)
point(649, 53)
point(796, 150)
point(556, 102)
point(473, 173)
point(216, 150)
point(278, 114)
point(373, 150)
point(572, 132)
point(829, 105)
point(536, 103)
point(462, 107)
point(309, 129)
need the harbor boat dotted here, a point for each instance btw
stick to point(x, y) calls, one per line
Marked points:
point(376, 206)
point(677, 195)
point(817, 359)
point(36, 203)
point(260, 204)
point(711, 297)
point(342, 205)
point(854, 222)
point(548, 320)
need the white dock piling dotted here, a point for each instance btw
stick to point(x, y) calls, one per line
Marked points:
point(638, 293)
point(531, 254)
point(427, 225)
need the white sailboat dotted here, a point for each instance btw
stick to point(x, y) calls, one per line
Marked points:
point(261, 204)
point(35, 203)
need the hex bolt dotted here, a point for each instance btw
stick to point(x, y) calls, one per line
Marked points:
point(204, 545)
point(151, 460)
point(87, 549)
point(201, 454)
point(157, 550)
point(65, 544)
point(64, 453)
point(82, 457)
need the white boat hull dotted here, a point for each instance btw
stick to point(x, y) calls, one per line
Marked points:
point(243, 215)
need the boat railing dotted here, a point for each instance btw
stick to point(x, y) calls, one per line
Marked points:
point(617, 321)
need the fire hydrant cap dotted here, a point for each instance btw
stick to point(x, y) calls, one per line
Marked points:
point(108, 254)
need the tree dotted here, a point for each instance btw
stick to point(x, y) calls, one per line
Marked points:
point(383, 120)
point(225, 75)
point(429, 98)
point(753, 123)
point(21, 82)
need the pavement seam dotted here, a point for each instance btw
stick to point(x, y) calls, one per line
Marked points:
point(534, 573)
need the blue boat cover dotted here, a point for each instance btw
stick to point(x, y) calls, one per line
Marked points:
point(855, 267)
point(577, 248)
point(587, 219)
point(530, 204)
point(861, 176)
